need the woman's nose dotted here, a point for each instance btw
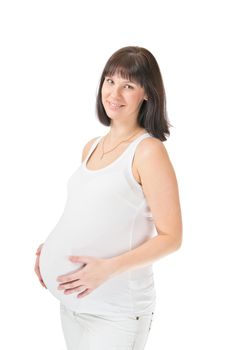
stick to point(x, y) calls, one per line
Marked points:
point(115, 91)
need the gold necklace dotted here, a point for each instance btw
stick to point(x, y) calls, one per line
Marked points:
point(103, 153)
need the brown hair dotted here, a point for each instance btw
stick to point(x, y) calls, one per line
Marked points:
point(138, 64)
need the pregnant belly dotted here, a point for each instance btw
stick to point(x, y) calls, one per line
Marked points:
point(54, 262)
point(66, 240)
point(75, 235)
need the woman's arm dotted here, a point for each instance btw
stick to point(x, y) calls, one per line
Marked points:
point(160, 187)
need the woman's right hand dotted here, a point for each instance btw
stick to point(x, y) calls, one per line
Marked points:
point(37, 268)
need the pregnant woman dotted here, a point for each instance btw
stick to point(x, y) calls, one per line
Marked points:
point(122, 213)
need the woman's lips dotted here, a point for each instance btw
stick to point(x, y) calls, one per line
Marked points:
point(114, 106)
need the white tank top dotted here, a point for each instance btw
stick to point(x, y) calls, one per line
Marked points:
point(106, 214)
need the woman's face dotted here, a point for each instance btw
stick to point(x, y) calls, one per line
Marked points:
point(121, 98)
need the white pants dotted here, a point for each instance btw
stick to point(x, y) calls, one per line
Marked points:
point(84, 331)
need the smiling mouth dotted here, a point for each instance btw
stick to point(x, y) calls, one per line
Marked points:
point(114, 105)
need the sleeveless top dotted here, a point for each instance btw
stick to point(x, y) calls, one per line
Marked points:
point(106, 214)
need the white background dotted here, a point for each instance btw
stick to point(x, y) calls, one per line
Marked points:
point(52, 55)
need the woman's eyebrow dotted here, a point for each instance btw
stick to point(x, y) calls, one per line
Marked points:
point(129, 81)
point(123, 80)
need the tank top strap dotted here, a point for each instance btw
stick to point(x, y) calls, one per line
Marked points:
point(127, 172)
point(94, 144)
point(133, 146)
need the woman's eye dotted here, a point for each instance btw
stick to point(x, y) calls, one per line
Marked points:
point(109, 80)
point(129, 86)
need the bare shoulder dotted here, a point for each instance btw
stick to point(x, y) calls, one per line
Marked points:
point(87, 147)
point(152, 158)
point(150, 147)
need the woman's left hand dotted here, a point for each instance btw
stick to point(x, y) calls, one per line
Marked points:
point(94, 272)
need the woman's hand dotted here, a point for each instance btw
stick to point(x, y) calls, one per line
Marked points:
point(94, 272)
point(36, 268)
